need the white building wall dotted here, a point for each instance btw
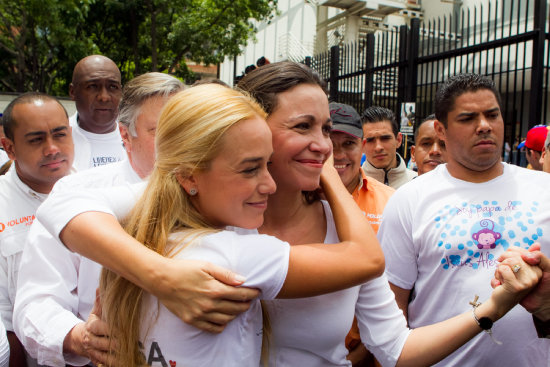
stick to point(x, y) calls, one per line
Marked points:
point(295, 24)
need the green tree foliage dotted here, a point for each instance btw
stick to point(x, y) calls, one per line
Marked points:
point(41, 40)
point(39, 43)
point(161, 35)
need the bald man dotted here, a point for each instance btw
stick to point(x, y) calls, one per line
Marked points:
point(96, 90)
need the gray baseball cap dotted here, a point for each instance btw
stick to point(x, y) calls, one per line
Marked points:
point(345, 119)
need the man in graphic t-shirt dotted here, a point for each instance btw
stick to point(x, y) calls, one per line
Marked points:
point(443, 232)
point(96, 90)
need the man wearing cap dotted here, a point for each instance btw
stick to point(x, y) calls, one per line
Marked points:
point(369, 194)
point(382, 138)
point(428, 150)
point(534, 145)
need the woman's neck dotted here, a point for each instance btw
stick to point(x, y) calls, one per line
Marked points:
point(290, 218)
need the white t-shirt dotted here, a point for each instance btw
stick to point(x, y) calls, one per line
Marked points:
point(442, 236)
point(94, 150)
point(105, 148)
point(263, 260)
point(311, 331)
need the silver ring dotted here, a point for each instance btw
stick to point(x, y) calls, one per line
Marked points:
point(516, 268)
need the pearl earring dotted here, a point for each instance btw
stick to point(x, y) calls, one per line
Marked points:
point(193, 192)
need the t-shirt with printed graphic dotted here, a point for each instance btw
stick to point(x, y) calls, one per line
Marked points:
point(168, 341)
point(105, 148)
point(94, 150)
point(442, 236)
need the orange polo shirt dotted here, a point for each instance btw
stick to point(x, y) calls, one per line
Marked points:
point(371, 196)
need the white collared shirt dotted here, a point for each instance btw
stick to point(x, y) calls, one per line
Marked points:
point(18, 204)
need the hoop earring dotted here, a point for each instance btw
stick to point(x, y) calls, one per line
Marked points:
point(193, 192)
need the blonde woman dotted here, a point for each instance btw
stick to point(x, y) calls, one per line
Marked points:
point(213, 148)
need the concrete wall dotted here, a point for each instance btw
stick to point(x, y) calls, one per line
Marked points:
point(5, 99)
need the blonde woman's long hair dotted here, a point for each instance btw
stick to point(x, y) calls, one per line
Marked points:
point(188, 137)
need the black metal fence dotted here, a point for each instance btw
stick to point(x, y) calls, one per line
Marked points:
point(506, 40)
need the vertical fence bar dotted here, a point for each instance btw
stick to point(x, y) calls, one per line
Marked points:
point(547, 89)
point(537, 71)
point(402, 69)
point(412, 56)
point(369, 65)
point(522, 103)
point(334, 68)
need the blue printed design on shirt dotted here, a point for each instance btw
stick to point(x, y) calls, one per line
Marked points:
point(469, 232)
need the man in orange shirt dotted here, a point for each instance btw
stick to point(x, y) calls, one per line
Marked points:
point(369, 194)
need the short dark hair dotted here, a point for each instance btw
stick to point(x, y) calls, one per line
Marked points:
point(430, 117)
point(456, 86)
point(7, 119)
point(375, 114)
point(265, 83)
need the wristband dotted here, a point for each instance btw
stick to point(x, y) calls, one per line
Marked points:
point(485, 323)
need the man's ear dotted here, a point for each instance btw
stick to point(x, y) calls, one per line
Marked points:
point(125, 135)
point(9, 148)
point(412, 153)
point(399, 139)
point(440, 130)
point(71, 91)
point(187, 183)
